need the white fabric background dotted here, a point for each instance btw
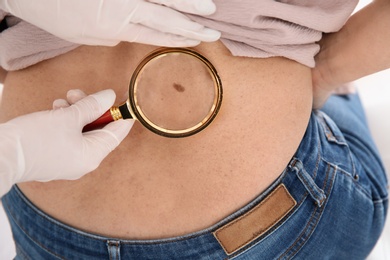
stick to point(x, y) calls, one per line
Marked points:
point(375, 94)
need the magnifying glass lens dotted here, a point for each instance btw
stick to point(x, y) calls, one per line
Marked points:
point(174, 92)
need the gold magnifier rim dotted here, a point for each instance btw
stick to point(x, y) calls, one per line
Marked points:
point(139, 115)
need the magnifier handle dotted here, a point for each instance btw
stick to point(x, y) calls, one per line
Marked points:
point(111, 115)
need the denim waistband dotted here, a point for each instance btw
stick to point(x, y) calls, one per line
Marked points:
point(299, 181)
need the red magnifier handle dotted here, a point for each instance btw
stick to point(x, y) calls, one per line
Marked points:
point(111, 115)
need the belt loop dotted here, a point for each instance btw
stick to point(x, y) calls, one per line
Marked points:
point(315, 192)
point(114, 249)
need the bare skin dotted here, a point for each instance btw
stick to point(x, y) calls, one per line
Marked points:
point(359, 49)
point(156, 187)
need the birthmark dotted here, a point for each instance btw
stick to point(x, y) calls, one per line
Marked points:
point(179, 87)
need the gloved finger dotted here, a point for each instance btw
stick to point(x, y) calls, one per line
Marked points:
point(200, 7)
point(60, 103)
point(93, 106)
point(86, 40)
point(75, 95)
point(170, 21)
point(72, 96)
point(99, 143)
point(142, 34)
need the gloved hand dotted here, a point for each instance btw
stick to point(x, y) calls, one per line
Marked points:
point(107, 22)
point(73, 96)
point(50, 145)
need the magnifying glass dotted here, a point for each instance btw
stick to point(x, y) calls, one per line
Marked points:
point(173, 92)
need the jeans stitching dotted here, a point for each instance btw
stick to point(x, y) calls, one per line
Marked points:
point(348, 175)
point(275, 222)
point(297, 245)
point(28, 236)
point(83, 234)
point(113, 245)
point(249, 246)
point(311, 190)
point(336, 138)
point(20, 253)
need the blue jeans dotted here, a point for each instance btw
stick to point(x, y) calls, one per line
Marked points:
point(329, 203)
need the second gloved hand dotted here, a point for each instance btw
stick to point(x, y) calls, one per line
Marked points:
point(107, 22)
point(50, 145)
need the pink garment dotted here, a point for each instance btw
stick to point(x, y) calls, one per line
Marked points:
point(262, 28)
point(22, 44)
point(267, 28)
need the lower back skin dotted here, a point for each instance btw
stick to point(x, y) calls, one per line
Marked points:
point(156, 187)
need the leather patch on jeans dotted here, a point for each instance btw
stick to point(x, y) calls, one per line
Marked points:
point(253, 224)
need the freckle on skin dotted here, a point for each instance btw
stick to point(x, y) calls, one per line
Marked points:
point(178, 87)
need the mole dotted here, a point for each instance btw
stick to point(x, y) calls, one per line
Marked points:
point(179, 87)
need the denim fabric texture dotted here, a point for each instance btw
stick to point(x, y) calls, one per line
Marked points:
point(335, 177)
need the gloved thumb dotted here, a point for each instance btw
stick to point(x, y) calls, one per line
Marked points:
point(93, 106)
point(99, 143)
point(200, 7)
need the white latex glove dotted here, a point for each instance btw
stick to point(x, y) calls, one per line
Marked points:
point(73, 96)
point(50, 145)
point(107, 22)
